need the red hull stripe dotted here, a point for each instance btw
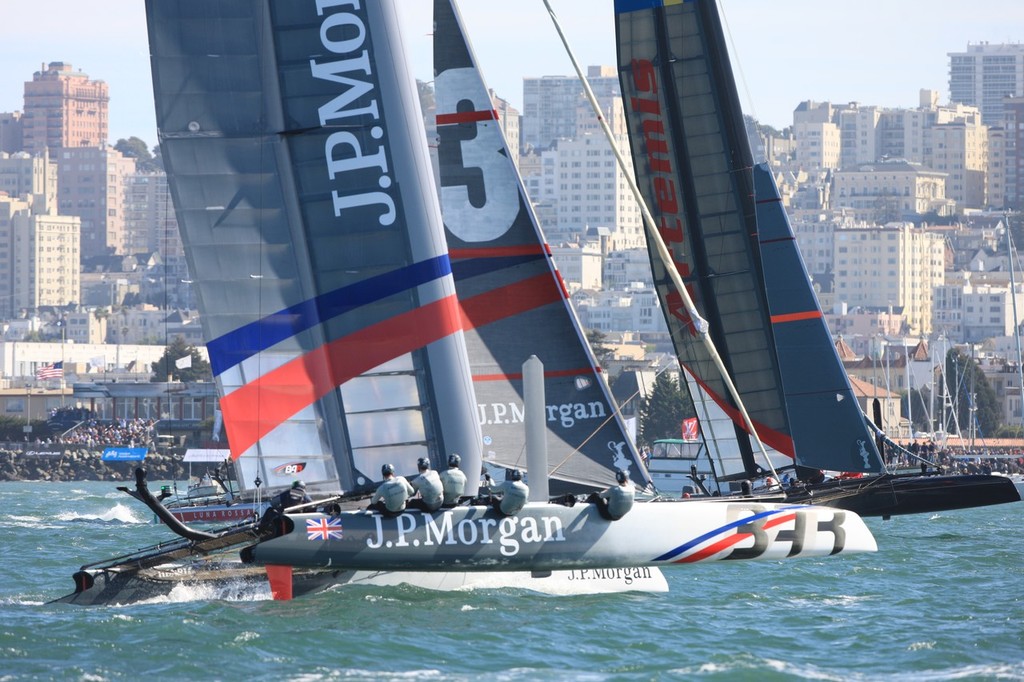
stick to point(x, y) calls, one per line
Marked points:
point(795, 317)
point(467, 117)
point(256, 409)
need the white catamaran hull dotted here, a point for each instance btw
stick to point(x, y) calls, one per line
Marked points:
point(554, 537)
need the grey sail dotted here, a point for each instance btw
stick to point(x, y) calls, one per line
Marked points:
point(305, 200)
point(512, 298)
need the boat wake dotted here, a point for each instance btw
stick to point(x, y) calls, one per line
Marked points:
point(118, 514)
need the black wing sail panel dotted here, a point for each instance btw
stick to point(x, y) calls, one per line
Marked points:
point(301, 181)
point(692, 163)
point(823, 410)
point(513, 302)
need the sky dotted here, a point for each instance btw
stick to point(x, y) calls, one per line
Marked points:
point(879, 52)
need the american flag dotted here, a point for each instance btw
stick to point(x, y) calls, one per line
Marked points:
point(54, 371)
point(323, 529)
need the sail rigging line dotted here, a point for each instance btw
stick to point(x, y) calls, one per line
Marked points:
point(616, 410)
point(700, 325)
point(738, 67)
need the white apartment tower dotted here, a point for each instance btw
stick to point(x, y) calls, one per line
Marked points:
point(984, 75)
point(896, 265)
point(39, 257)
point(550, 105)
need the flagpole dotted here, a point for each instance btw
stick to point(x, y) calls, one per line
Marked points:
point(63, 333)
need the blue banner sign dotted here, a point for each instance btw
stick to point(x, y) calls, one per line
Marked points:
point(124, 454)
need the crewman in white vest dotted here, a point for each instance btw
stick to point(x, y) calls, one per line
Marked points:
point(616, 501)
point(453, 481)
point(392, 494)
point(514, 493)
point(429, 487)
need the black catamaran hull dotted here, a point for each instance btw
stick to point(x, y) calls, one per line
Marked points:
point(897, 494)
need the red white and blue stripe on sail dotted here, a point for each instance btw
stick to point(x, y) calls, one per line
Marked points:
point(285, 390)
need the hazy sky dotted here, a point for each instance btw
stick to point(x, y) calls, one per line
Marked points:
point(871, 51)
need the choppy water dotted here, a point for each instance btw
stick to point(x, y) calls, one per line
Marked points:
point(943, 599)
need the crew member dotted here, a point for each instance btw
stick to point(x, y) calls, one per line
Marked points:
point(294, 496)
point(514, 493)
point(453, 481)
point(428, 485)
point(615, 501)
point(392, 494)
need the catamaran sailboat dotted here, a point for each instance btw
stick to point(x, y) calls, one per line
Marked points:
point(339, 321)
point(721, 217)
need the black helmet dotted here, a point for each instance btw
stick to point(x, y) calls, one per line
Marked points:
point(387, 469)
point(298, 484)
point(423, 464)
point(516, 475)
point(454, 460)
point(621, 475)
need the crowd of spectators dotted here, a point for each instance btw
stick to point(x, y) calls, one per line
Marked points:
point(986, 460)
point(101, 433)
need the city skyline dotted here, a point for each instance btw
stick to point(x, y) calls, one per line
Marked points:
point(810, 51)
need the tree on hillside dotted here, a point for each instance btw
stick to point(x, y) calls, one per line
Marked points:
point(971, 394)
point(598, 341)
point(196, 369)
point(136, 148)
point(663, 412)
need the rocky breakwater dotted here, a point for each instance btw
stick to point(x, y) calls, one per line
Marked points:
point(56, 463)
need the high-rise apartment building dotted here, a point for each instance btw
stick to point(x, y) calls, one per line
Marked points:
point(91, 185)
point(11, 136)
point(960, 149)
point(984, 75)
point(895, 266)
point(39, 257)
point(1013, 152)
point(551, 104)
point(64, 108)
point(22, 175)
point(817, 135)
point(591, 192)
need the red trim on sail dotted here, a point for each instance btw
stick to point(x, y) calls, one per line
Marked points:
point(795, 317)
point(769, 436)
point(509, 301)
point(500, 251)
point(467, 117)
point(254, 410)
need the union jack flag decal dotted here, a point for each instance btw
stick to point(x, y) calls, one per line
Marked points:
point(323, 529)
